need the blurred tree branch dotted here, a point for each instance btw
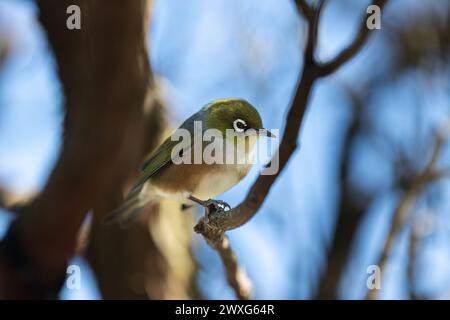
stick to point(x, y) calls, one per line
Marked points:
point(6, 198)
point(14, 202)
point(352, 204)
point(221, 221)
point(153, 258)
point(431, 31)
point(430, 174)
point(415, 238)
point(354, 47)
point(103, 129)
point(306, 11)
point(5, 49)
point(236, 276)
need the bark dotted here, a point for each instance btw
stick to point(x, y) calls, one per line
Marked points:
point(111, 112)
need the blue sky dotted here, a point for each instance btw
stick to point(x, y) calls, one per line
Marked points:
point(203, 50)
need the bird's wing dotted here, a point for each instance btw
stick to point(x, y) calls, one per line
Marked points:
point(158, 160)
point(162, 157)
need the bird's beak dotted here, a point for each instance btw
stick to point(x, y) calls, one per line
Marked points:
point(267, 133)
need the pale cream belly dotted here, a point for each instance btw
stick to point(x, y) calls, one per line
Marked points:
point(206, 187)
point(218, 182)
point(178, 182)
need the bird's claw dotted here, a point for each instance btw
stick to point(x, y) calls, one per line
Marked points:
point(211, 206)
point(216, 205)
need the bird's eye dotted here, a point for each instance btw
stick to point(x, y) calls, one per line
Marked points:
point(239, 125)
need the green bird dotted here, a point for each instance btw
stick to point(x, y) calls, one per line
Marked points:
point(163, 178)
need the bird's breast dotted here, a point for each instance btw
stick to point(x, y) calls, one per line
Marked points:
point(203, 181)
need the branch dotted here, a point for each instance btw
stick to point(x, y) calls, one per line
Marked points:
point(354, 47)
point(247, 209)
point(221, 221)
point(236, 275)
point(415, 239)
point(352, 204)
point(103, 130)
point(305, 10)
point(14, 202)
point(312, 17)
point(429, 175)
point(6, 198)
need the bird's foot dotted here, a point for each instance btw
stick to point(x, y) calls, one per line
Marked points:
point(216, 205)
point(211, 206)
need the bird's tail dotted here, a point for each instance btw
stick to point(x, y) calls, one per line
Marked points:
point(128, 211)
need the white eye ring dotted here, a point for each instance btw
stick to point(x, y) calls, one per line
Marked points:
point(239, 125)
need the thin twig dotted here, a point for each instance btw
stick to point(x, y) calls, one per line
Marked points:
point(315, 24)
point(354, 47)
point(305, 10)
point(429, 175)
point(236, 276)
point(313, 31)
point(415, 239)
point(221, 221)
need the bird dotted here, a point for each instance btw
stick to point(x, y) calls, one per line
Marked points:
point(163, 176)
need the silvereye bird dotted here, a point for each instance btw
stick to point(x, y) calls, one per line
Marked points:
point(189, 183)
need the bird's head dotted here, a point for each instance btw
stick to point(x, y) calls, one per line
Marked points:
point(237, 115)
